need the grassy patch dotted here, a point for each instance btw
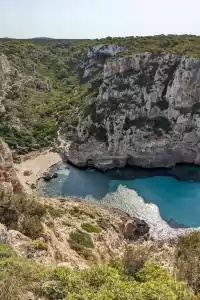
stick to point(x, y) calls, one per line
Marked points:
point(81, 239)
point(17, 276)
point(188, 260)
point(39, 245)
point(82, 243)
point(91, 228)
point(6, 251)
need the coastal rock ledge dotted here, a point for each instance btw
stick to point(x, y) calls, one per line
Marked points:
point(145, 112)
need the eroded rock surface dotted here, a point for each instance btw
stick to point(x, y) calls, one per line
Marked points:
point(133, 229)
point(146, 113)
point(93, 60)
point(8, 175)
point(65, 217)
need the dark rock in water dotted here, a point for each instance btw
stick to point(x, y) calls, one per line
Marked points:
point(133, 229)
point(49, 175)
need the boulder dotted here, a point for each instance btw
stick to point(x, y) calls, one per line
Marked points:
point(27, 172)
point(49, 175)
point(134, 229)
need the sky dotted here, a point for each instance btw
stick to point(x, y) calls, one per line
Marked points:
point(97, 18)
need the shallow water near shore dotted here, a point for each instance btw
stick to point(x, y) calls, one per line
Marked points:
point(176, 192)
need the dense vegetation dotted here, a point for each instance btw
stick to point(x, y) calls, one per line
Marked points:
point(46, 88)
point(22, 212)
point(108, 282)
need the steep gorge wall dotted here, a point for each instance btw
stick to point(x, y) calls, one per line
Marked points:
point(146, 113)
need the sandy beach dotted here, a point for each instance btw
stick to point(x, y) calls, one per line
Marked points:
point(36, 166)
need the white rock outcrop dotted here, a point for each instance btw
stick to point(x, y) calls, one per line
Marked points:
point(146, 113)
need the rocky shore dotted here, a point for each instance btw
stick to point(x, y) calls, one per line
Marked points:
point(134, 205)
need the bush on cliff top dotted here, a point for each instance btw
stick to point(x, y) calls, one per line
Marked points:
point(188, 260)
point(152, 282)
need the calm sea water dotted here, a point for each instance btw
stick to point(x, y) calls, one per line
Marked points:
point(177, 200)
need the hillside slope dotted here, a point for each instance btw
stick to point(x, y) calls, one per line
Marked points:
point(45, 83)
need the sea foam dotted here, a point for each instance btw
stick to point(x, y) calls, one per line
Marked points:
point(129, 201)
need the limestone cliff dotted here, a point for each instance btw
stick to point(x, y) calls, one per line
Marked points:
point(145, 112)
point(8, 176)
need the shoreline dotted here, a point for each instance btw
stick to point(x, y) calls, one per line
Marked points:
point(36, 165)
point(133, 204)
point(125, 199)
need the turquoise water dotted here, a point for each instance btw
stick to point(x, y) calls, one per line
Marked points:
point(177, 200)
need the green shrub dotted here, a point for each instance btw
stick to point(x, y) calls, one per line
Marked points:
point(17, 276)
point(61, 274)
point(27, 208)
point(188, 259)
point(6, 251)
point(32, 227)
point(134, 259)
point(82, 251)
point(39, 245)
point(81, 238)
point(54, 290)
point(105, 282)
point(82, 243)
point(90, 228)
point(157, 283)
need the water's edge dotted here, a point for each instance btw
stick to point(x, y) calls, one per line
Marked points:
point(91, 182)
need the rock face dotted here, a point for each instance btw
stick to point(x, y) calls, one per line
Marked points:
point(146, 113)
point(4, 80)
point(93, 60)
point(135, 229)
point(8, 175)
point(49, 175)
